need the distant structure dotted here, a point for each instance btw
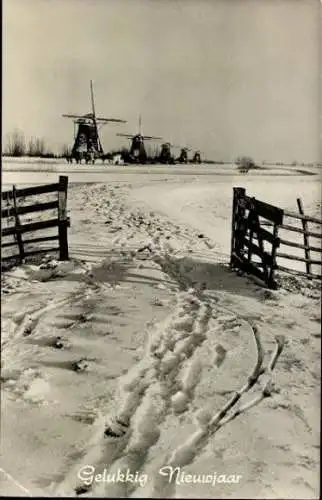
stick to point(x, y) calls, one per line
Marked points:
point(117, 159)
point(137, 153)
point(87, 145)
point(165, 156)
point(196, 157)
point(183, 158)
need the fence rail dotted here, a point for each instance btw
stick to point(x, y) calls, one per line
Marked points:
point(302, 231)
point(38, 207)
point(15, 210)
point(299, 245)
point(31, 191)
point(301, 216)
point(247, 225)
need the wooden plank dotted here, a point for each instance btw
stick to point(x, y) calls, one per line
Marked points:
point(270, 212)
point(296, 272)
point(33, 226)
point(305, 237)
point(271, 281)
point(252, 226)
point(33, 252)
point(6, 211)
point(62, 217)
point(247, 267)
point(299, 259)
point(30, 191)
point(39, 240)
point(233, 226)
point(300, 245)
point(8, 231)
point(10, 257)
point(37, 207)
point(238, 193)
point(301, 231)
point(18, 225)
point(9, 244)
point(263, 233)
point(302, 217)
point(266, 257)
point(315, 249)
point(42, 250)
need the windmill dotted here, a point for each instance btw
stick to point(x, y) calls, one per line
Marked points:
point(87, 144)
point(196, 157)
point(183, 158)
point(165, 156)
point(137, 153)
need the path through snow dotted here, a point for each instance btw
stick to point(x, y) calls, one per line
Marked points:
point(119, 356)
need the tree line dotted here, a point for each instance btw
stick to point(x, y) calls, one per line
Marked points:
point(17, 145)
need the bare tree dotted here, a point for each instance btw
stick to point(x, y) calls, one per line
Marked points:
point(15, 144)
point(40, 147)
point(31, 147)
point(66, 151)
point(37, 147)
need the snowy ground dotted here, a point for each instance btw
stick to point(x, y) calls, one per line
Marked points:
point(113, 360)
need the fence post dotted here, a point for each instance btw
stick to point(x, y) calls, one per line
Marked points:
point(238, 193)
point(305, 237)
point(271, 281)
point(62, 217)
point(233, 225)
point(17, 226)
point(253, 222)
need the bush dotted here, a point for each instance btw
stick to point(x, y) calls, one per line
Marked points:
point(245, 163)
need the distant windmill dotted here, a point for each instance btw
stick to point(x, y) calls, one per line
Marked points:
point(166, 156)
point(196, 157)
point(87, 144)
point(183, 158)
point(137, 153)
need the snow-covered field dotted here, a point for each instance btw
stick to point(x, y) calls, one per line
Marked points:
point(113, 360)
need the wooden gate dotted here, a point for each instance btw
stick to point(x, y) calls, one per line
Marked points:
point(16, 229)
point(253, 248)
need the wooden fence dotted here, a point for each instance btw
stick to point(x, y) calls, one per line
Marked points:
point(254, 220)
point(14, 209)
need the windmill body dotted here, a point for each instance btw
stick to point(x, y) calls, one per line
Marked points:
point(183, 157)
point(196, 157)
point(166, 156)
point(87, 145)
point(87, 140)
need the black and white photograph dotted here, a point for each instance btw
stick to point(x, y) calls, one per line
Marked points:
point(161, 249)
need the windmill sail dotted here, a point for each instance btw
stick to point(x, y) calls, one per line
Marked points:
point(151, 137)
point(94, 140)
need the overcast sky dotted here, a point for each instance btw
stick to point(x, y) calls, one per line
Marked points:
point(229, 77)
